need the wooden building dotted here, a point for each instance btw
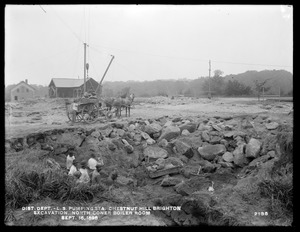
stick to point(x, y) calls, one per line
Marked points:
point(70, 87)
point(22, 91)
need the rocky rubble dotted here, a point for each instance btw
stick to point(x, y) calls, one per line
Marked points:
point(210, 149)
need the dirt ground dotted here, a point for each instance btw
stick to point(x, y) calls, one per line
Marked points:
point(50, 114)
point(22, 119)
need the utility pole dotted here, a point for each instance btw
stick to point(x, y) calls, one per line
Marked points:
point(209, 94)
point(84, 68)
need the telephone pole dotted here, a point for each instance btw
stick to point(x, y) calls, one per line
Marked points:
point(209, 94)
point(84, 68)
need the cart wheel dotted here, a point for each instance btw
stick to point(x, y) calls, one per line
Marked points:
point(78, 116)
point(90, 113)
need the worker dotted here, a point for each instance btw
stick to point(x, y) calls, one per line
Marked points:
point(96, 178)
point(92, 162)
point(84, 178)
point(70, 159)
point(73, 169)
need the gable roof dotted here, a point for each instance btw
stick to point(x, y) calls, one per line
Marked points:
point(22, 82)
point(68, 82)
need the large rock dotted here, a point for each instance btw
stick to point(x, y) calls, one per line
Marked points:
point(193, 141)
point(170, 181)
point(169, 133)
point(163, 143)
point(145, 135)
point(120, 132)
point(71, 139)
point(239, 157)
point(150, 141)
point(209, 152)
point(207, 167)
point(95, 134)
point(122, 180)
point(131, 127)
point(253, 148)
point(120, 124)
point(127, 147)
point(190, 126)
point(205, 136)
point(152, 128)
point(216, 127)
point(174, 161)
point(260, 160)
point(192, 185)
point(229, 134)
point(137, 137)
point(269, 144)
point(215, 139)
point(272, 125)
point(155, 153)
point(184, 149)
point(185, 132)
point(228, 157)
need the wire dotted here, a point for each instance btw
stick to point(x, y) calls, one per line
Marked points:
point(228, 62)
point(84, 23)
point(48, 57)
point(42, 8)
point(67, 25)
point(196, 59)
point(101, 52)
point(131, 72)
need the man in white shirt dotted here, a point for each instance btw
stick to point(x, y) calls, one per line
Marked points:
point(92, 162)
point(84, 178)
point(70, 159)
point(73, 169)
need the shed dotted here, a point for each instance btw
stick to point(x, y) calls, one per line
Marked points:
point(71, 87)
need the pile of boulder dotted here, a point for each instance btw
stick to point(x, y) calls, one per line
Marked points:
point(186, 154)
point(197, 145)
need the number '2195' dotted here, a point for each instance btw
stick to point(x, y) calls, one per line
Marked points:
point(260, 213)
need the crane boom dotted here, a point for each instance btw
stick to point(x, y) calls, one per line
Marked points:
point(99, 85)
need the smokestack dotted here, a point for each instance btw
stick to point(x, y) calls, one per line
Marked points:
point(26, 81)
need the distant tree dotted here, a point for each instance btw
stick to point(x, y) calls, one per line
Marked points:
point(188, 92)
point(218, 73)
point(259, 85)
point(217, 85)
point(235, 88)
point(162, 93)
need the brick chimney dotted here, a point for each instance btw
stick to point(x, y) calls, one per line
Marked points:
point(26, 81)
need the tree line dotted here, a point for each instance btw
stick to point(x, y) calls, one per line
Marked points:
point(218, 85)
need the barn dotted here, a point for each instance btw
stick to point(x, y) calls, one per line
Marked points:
point(22, 91)
point(70, 87)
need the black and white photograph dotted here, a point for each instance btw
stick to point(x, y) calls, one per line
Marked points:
point(148, 115)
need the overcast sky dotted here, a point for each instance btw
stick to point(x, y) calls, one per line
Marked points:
point(149, 42)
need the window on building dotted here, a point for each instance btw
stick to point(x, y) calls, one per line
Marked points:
point(18, 90)
point(16, 97)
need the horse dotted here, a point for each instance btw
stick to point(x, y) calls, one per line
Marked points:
point(120, 103)
point(109, 103)
point(127, 103)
